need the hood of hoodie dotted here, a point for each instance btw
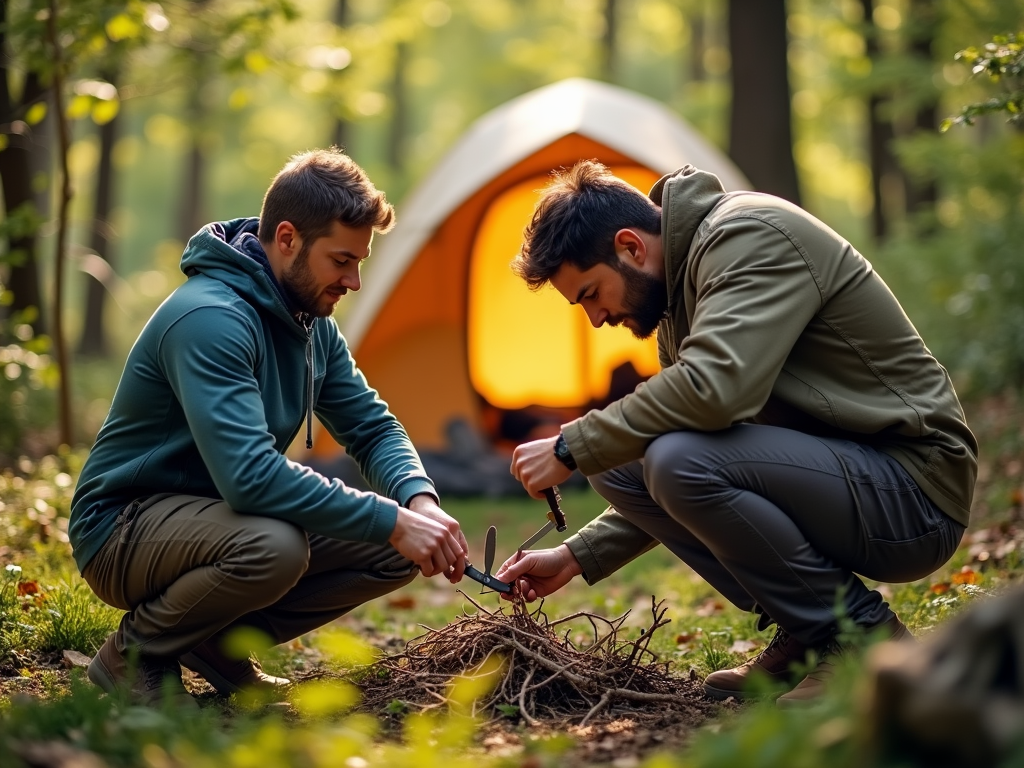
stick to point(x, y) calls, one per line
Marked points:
point(686, 197)
point(230, 251)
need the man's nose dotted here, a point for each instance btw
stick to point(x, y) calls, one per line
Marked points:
point(352, 282)
point(597, 316)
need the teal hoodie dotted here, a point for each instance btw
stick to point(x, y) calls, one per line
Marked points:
point(215, 389)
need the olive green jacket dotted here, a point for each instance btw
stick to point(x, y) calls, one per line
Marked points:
point(774, 318)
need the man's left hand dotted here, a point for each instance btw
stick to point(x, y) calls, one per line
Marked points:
point(535, 466)
point(425, 505)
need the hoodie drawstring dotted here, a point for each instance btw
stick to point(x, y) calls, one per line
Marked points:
point(309, 389)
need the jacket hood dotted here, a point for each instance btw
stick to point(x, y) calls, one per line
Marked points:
point(230, 251)
point(686, 197)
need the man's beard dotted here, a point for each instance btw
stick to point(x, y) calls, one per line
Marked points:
point(645, 301)
point(300, 286)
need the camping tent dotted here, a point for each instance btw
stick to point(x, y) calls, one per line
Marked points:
point(442, 327)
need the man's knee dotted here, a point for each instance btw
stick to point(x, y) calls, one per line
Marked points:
point(673, 468)
point(270, 551)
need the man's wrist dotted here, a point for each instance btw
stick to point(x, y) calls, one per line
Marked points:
point(562, 452)
point(573, 564)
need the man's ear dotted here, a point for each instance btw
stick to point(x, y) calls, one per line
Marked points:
point(287, 239)
point(631, 247)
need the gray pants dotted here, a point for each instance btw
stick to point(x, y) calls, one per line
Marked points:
point(186, 568)
point(780, 522)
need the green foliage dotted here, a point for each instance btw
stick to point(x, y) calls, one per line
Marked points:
point(28, 377)
point(1002, 61)
point(74, 619)
point(958, 269)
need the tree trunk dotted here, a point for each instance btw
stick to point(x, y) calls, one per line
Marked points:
point(609, 42)
point(190, 212)
point(760, 132)
point(884, 169)
point(921, 195)
point(400, 109)
point(94, 340)
point(698, 44)
point(64, 146)
point(340, 135)
point(16, 179)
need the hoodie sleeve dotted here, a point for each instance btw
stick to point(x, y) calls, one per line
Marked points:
point(756, 292)
point(359, 420)
point(209, 356)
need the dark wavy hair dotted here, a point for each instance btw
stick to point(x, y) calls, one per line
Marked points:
point(320, 187)
point(576, 219)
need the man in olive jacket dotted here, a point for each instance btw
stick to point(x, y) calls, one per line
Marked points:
point(799, 433)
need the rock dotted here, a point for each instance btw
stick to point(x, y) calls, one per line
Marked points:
point(74, 659)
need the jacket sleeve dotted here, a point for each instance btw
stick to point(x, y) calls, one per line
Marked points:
point(607, 543)
point(756, 291)
point(209, 357)
point(359, 420)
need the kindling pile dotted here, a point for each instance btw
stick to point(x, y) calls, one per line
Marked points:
point(541, 674)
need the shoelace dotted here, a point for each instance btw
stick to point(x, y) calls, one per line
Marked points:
point(155, 671)
point(781, 638)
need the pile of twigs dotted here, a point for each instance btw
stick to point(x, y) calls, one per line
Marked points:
point(544, 675)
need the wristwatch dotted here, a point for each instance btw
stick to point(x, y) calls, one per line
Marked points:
point(562, 452)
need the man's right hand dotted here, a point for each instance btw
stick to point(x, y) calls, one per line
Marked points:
point(426, 542)
point(540, 572)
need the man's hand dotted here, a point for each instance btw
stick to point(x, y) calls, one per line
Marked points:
point(535, 466)
point(540, 572)
point(425, 505)
point(430, 544)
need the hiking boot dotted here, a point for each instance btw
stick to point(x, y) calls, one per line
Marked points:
point(772, 665)
point(149, 680)
point(229, 675)
point(813, 686)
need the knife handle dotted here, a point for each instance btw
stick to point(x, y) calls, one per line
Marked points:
point(487, 580)
point(551, 494)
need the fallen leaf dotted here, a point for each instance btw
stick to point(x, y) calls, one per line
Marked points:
point(710, 607)
point(742, 646)
point(683, 637)
point(940, 588)
point(966, 576)
point(26, 588)
point(402, 603)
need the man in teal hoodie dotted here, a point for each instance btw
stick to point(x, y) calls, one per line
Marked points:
point(799, 435)
point(187, 514)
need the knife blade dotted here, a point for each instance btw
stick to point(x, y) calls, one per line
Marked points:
point(489, 543)
point(485, 577)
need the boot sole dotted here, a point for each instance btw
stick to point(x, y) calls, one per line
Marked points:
point(721, 694)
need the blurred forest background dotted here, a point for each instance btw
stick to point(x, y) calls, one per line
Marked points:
point(125, 126)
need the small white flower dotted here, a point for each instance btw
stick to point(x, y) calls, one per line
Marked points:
point(13, 569)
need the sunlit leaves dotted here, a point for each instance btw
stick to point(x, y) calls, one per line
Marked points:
point(122, 27)
point(1002, 60)
point(320, 698)
point(35, 114)
point(345, 648)
point(245, 641)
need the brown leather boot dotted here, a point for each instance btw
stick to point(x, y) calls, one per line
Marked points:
point(772, 665)
point(813, 686)
point(149, 680)
point(229, 675)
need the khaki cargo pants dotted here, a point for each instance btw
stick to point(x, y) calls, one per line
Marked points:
point(187, 568)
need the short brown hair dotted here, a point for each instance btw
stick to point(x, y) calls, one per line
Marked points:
point(320, 187)
point(576, 219)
